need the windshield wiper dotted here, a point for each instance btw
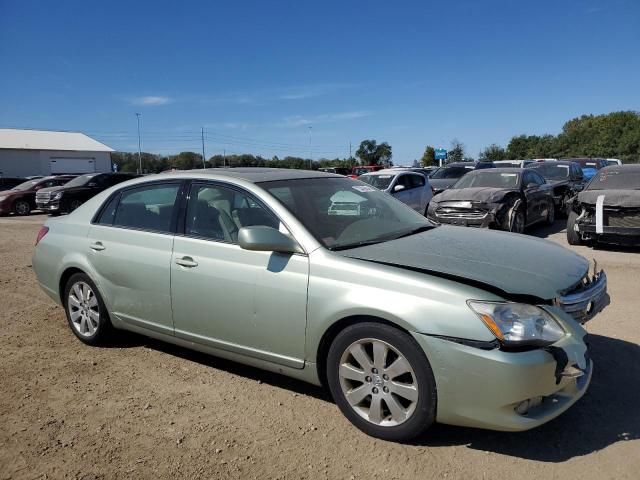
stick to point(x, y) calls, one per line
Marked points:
point(364, 243)
point(422, 228)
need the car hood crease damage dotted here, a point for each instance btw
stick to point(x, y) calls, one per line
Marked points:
point(486, 257)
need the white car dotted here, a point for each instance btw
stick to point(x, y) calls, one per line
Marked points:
point(512, 163)
point(409, 187)
point(613, 161)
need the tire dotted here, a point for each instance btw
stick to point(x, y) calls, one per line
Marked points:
point(519, 222)
point(406, 406)
point(81, 297)
point(74, 204)
point(21, 208)
point(551, 214)
point(573, 238)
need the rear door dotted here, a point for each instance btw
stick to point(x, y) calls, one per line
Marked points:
point(130, 246)
point(247, 302)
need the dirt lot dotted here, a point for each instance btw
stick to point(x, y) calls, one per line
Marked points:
point(149, 410)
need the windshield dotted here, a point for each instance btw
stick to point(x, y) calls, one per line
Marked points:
point(341, 213)
point(381, 182)
point(451, 172)
point(26, 185)
point(552, 171)
point(488, 179)
point(615, 180)
point(81, 180)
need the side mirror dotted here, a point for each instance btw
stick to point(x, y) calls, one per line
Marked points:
point(398, 188)
point(531, 185)
point(267, 239)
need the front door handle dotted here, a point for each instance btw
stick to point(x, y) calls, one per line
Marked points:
point(187, 262)
point(97, 246)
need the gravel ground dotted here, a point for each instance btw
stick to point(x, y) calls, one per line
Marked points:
point(144, 409)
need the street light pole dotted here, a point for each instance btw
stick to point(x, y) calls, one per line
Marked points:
point(139, 146)
point(310, 150)
point(204, 165)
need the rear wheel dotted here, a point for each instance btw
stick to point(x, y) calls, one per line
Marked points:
point(573, 237)
point(382, 381)
point(86, 312)
point(22, 207)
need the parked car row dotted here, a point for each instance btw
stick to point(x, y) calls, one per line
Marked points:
point(332, 281)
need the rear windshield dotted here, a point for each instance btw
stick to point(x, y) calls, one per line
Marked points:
point(451, 172)
point(615, 180)
point(552, 171)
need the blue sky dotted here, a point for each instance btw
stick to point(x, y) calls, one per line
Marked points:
point(256, 75)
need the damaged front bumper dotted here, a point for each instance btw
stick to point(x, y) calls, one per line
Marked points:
point(466, 214)
point(508, 391)
point(587, 299)
point(609, 224)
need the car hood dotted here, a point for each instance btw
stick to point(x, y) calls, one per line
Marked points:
point(62, 188)
point(478, 194)
point(511, 263)
point(442, 183)
point(612, 198)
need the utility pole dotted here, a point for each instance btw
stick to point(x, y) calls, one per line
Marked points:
point(224, 157)
point(310, 150)
point(139, 146)
point(349, 149)
point(204, 165)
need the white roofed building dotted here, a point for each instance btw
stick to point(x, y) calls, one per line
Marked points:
point(41, 152)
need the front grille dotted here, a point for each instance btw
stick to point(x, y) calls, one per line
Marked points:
point(620, 218)
point(458, 212)
point(587, 299)
point(43, 197)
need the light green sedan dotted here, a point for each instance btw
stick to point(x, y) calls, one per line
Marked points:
point(328, 280)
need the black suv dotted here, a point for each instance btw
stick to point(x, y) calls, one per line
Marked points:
point(68, 197)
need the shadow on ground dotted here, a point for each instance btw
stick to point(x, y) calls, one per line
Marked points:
point(608, 413)
point(545, 231)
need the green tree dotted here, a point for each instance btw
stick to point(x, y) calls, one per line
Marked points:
point(493, 152)
point(456, 152)
point(372, 153)
point(428, 157)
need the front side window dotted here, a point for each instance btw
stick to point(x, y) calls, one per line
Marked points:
point(149, 207)
point(217, 213)
point(341, 213)
point(416, 181)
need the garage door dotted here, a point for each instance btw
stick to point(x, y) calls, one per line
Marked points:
point(73, 165)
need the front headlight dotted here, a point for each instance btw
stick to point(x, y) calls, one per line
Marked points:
point(518, 323)
point(57, 196)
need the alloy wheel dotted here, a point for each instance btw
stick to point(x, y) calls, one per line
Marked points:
point(378, 382)
point(84, 309)
point(22, 208)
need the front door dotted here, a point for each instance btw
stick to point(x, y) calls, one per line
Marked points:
point(130, 248)
point(246, 302)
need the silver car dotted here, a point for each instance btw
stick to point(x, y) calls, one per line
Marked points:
point(411, 188)
point(328, 280)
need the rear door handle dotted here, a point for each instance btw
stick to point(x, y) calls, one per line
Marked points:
point(97, 246)
point(187, 262)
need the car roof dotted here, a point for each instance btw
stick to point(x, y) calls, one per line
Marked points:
point(253, 174)
point(498, 170)
point(557, 162)
point(392, 171)
point(622, 168)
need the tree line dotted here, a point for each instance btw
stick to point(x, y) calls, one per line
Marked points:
point(612, 135)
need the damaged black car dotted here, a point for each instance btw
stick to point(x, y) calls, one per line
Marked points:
point(501, 198)
point(608, 210)
point(566, 179)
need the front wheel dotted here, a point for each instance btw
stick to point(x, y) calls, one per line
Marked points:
point(382, 381)
point(551, 214)
point(573, 237)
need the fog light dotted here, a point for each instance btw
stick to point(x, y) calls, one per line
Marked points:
point(523, 407)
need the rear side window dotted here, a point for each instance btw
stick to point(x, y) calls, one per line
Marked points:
point(149, 207)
